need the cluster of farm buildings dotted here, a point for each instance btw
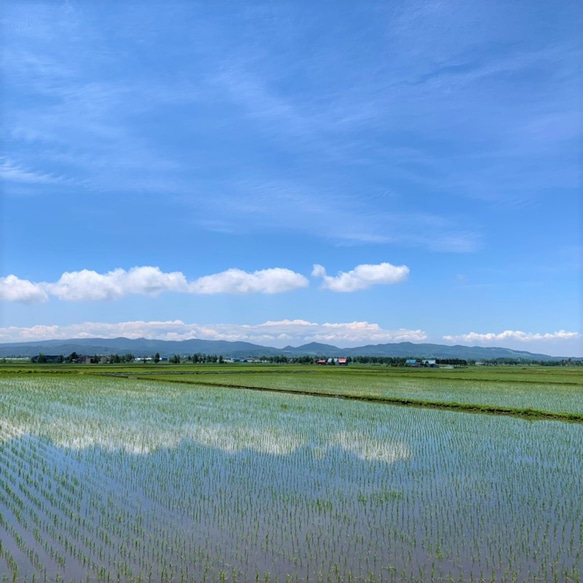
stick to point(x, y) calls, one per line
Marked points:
point(321, 361)
point(333, 361)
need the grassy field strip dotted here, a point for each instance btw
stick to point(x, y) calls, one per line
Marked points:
point(515, 374)
point(363, 374)
point(533, 414)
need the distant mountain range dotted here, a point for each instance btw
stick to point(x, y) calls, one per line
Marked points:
point(144, 347)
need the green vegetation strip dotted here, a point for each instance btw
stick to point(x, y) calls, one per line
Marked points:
point(567, 376)
point(532, 414)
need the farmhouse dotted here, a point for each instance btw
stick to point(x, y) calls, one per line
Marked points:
point(333, 361)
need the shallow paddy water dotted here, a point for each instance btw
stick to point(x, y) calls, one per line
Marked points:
point(559, 397)
point(107, 480)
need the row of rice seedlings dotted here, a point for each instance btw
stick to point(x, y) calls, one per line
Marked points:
point(345, 490)
point(49, 495)
point(55, 528)
point(521, 395)
point(57, 498)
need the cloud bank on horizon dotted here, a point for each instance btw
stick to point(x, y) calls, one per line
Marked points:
point(492, 337)
point(287, 150)
point(279, 333)
point(275, 333)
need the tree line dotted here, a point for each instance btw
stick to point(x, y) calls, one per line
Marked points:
point(202, 358)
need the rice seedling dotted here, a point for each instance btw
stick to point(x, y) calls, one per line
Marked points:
point(524, 394)
point(120, 479)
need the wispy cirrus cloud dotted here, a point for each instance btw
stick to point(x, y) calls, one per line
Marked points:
point(89, 285)
point(277, 206)
point(107, 144)
point(11, 171)
point(361, 277)
point(272, 333)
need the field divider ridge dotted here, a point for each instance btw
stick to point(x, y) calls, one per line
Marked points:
point(524, 413)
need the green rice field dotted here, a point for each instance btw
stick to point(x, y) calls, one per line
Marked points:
point(123, 475)
point(557, 395)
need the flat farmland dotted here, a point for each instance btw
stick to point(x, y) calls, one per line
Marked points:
point(527, 391)
point(536, 391)
point(136, 477)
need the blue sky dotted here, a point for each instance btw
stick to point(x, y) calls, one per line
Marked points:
point(283, 172)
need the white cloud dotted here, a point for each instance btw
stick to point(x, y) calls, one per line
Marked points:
point(362, 277)
point(88, 285)
point(369, 333)
point(14, 289)
point(236, 281)
point(289, 332)
point(518, 335)
point(271, 333)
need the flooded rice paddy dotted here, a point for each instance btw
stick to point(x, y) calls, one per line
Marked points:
point(565, 396)
point(120, 480)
